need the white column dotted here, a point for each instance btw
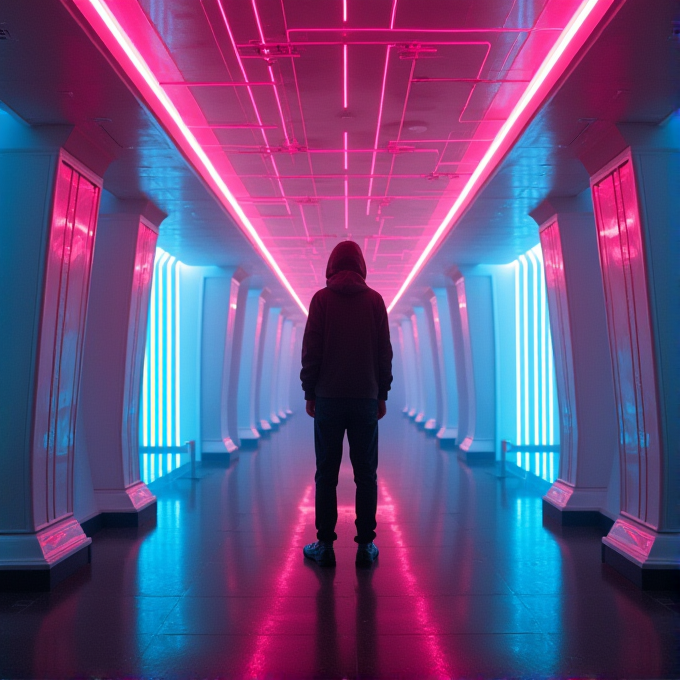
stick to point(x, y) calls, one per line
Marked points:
point(398, 393)
point(448, 425)
point(108, 418)
point(248, 432)
point(474, 345)
point(637, 211)
point(294, 394)
point(283, 370)
point(49, 204)
point(271, 343)
point(219, 312)
point(411, 367)
point(427, 370)
point(583, 373)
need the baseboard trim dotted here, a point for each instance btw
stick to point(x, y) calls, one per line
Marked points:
point(44, 579)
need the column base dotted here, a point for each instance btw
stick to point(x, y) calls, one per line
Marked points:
point(566, 505)
point(130, 507)
point(649, 559)
point(132, 499)
point(213, 446)
point(45, 579)
point(249, 438)
point(447, 434)
point(554, 516)
point(477, 450)
point(40, 560)
point(431, 426)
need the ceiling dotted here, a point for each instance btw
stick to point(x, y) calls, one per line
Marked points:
point(261, 84)
point(363, 125)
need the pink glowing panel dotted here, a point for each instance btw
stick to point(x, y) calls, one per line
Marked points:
point(624, 275)
point(273, 153)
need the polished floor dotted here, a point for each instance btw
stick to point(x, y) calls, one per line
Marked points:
point(469, 583)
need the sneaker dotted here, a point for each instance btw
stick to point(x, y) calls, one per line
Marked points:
point(321, 552)
point(366, 554)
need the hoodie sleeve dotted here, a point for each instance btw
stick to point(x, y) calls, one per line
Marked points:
point(312, 348)
point(384, 353)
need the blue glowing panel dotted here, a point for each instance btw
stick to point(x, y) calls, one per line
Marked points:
point(160, 411)
point(534, 369)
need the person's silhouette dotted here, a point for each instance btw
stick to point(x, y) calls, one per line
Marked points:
point(346, 374)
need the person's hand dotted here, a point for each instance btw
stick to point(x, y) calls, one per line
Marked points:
point(310, 407)
point(382, 408)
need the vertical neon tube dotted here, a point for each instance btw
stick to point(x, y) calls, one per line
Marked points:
point(535, 367)
point(525, 341)
point(518, 360)
point(551, 404)
point(544, 362)
point(152, 353)
point(160, 375)
point(177, 346)
point(169, 349)
point(344, 76)
point(344, 10)
point(145, 389)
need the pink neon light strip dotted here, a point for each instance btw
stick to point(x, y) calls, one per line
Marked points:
point(377, 129)
point(346, 203)
point(510, 131)
point(344, 10)
point(346, 154)
point(137, 63)
point(271, 73)
point(344, 76)
point(250, 93)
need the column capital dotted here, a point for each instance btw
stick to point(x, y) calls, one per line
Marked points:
point(84, 144)
point(604, 141)
point(116, 208)
point(555, 205)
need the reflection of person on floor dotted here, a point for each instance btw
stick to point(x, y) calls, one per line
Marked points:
point(346, 374)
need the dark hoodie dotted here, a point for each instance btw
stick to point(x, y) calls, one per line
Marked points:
point(346, 350)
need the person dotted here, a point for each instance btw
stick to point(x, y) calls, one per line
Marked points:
point(346, 374)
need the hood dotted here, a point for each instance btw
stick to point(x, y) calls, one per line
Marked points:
point(346, 270)
point(346, 256)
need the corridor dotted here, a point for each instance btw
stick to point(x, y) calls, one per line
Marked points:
point(218, 216)
point(469, 583)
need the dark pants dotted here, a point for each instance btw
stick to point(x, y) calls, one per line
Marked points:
point(359, 417)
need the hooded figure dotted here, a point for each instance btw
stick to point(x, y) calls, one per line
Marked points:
point(346, 350)
point(346, 374)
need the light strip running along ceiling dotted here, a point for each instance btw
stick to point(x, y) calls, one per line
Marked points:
point(499, 147)
point(137, 61)
point(508, 133)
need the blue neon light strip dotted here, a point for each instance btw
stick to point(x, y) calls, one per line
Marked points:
point(160, 408)
point(534, 367)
